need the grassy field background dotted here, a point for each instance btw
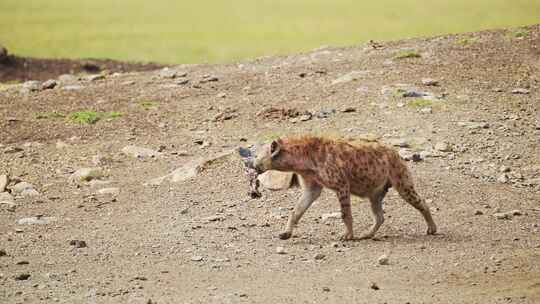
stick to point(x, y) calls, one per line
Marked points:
point(225, 30)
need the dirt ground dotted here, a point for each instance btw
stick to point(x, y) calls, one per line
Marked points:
point(204, 240)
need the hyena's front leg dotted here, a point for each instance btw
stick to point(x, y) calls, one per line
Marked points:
point(311, 192)
point(344, 197)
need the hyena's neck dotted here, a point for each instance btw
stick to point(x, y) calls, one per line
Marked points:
point(300, 156)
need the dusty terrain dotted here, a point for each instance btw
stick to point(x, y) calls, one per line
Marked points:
point(203, 240)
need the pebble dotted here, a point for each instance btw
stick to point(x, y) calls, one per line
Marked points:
point(319, 256)
point(383, 260)
point(139, 152)
point(94, 77)
point(22, 277)
point(330, 216)
point(504, 169)
point(36, 220)
point(280, 250)
point(31, 86)
point(78, 243)
point(430, 82)
point(86, 174)
point(3, 253)
point(24, 189)
point(503, 178)
point(111, 191)
point(68, 79)
point(49, 84)
point(478, 212)
point(326, 289)
point(443, 147)
point(351, 76)
point(73, 87)
point(503, 215)
point(196, 258)
point(374, 286)
point(520, 91)
point(474, 125)
point(426, 110)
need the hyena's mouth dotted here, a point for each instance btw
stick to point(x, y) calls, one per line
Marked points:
point(251, 172)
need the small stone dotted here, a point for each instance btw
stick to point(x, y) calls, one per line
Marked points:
point(516, 212)
point(3, 253)
point(67, 79)
point(478, 212)
point(19, 188)
point(520, 91)
point(280, 250)
point(214, 218)
point(349, 110)
point(168, 73)
point(94, 77)
point(139, 152)
point(443, 147)
point(498, 90)
point(319, 256)
point(502, 215)
point(196, 258)
point(32, 86)
point(49, 84)
point(36, 220)
point(326, 289)
point(22, 263)
point(503, 178)
point(374, 286)
point(399, 142)
point(22, 277)
point(78, 243)
point(87, 174)
point(383, 260)
point(4, 180)
point(426, 110)
point(72, 87)
point(208, 78)
point(430, 82)
point(222, 95)
point(504, 169)
point(109, 191)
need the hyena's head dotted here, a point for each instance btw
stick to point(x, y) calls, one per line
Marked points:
point(269, 157)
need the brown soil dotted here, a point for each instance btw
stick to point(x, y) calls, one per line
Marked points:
point(15, 68)
point(205, 240)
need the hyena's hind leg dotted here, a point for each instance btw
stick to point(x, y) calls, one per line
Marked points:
point(312, 191)
point(407, 192)
point(376, 202)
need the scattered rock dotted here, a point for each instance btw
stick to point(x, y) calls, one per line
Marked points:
point(516, 212)
point(430, 82)
point(426, 110)
point(139, 152)
point(67, 79)
point(196, 258)
point(170, 73)
point(77, 243)
point(503, 178)
point(109, 191)
point(399, 142)
point(22, 263)
point(502, 215)
point(325, 113)
point(383, 260)
point(520, 91)
point(348, 110)
point(22, 277)
point(31, 86)
point(478, 212)
point(36, 220)
point(276, 180)
point(319, 256)
point(72, 87)
point(49, 84)
point(188, 171)
point(408, 155)
point(24, 189)
point(87, 174)
point(504, 169)
point(374, 286)
point(280, 250)
point(208, 78)
point(326, 289)
point(4, 180)
point(214, 218)
point(3, 253)
point(351, 76)
point(443, 147)
point(474, 125)
point(331, 216)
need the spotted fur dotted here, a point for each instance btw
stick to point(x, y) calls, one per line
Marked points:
point(361, 168)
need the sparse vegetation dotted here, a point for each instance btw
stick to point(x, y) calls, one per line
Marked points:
point(48, 115)
point(407, 54)
point(91, 117)
point(467, 40)
point(148, 104)
point(420, 102)
point(519, 33)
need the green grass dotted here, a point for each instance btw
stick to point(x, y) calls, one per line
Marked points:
point(420, 102)
point(223, 31)
point(91, 117)
point(407, 54)
point(519, 33)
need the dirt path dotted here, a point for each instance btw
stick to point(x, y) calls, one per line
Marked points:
point(203, 240)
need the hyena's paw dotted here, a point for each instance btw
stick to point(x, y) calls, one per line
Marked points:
point(285, 235)
point(432, 230)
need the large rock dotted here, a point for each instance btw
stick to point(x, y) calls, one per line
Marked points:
point(276, 180)
point(139, 152)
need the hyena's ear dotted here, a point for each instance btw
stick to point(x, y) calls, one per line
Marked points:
point(274, 148)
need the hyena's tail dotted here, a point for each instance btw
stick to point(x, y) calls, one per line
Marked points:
point(401, 180)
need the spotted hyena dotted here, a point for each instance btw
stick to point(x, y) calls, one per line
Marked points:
point(364, 169)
